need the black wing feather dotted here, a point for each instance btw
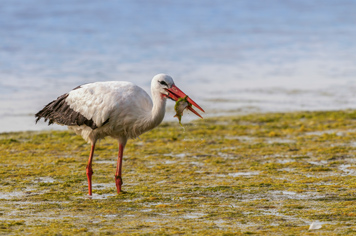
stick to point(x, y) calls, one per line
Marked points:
point(58, 111)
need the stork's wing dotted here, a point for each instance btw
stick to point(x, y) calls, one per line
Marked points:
point(93, 101)
point(89, 104)
point(95, 104)
point(59, 111)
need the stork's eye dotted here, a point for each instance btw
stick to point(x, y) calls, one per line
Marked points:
point(163, 83)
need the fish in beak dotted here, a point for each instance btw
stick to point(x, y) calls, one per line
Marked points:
point(175, 93)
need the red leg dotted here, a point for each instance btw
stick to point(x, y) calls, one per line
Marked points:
point(118, 179)
point(89, 169)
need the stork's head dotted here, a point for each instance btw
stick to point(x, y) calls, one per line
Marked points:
point(166, 87)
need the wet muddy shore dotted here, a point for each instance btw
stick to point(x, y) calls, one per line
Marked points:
point(274, 174)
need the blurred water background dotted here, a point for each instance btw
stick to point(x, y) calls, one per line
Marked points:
point(231, 56)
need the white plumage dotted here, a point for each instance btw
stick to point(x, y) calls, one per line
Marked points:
point(117, 109)
point(127, 107)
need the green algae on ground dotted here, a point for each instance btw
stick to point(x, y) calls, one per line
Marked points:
point(264, 174)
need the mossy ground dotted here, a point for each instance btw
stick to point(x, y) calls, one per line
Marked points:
point(269, 174)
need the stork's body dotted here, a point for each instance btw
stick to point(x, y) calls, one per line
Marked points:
point(117, 109)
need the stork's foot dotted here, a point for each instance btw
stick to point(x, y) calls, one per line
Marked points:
point(119, 183)
point(89, 174)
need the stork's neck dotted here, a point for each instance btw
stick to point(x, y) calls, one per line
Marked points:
point(158, 109)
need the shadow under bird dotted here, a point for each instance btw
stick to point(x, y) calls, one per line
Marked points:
point(118, 109)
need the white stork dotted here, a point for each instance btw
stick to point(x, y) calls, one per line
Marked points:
point(117, 109)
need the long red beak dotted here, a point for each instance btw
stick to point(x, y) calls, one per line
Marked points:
point(175, 93)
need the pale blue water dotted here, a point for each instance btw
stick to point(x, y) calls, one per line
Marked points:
point(230, 56)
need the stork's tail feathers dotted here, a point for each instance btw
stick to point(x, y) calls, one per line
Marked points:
point(53, 111)
point(59, 111)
